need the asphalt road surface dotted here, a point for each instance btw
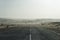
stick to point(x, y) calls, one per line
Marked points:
point(29, 33)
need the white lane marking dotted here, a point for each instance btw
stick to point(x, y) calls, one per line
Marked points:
point(30, 36)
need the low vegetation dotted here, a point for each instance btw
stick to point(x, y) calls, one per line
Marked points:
point(54, 26)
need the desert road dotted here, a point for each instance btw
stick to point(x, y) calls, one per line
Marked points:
point(29, 33)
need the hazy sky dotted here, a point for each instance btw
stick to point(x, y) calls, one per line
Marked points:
point(30, 9)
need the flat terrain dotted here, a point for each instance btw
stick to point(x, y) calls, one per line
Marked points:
point(28, 33)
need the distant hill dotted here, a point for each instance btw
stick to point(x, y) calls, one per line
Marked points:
point(5, 20)
point(47, 20)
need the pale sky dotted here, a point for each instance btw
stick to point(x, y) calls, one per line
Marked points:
point(30, 9)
